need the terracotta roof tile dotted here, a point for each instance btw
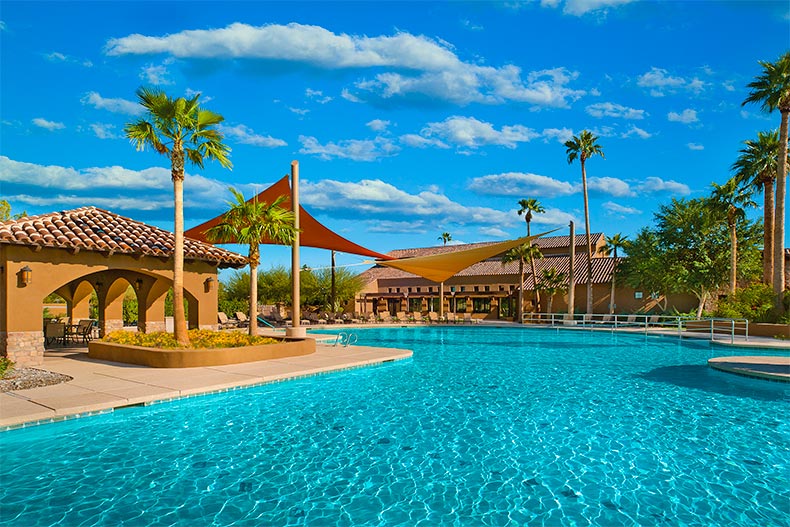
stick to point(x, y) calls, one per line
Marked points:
point(93, 229)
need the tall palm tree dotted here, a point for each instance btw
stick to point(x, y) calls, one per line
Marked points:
point(528, 207)
point(252, 223)
point(730, 200)
point(445, 237)
point(552, 282)
point(583, 147)
point(520, 254)
point(618, 241)
point(771, 89)
point(756, 169)
point(183, 131)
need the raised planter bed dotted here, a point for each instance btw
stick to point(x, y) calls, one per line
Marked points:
point(191, 358)
point(769, 330)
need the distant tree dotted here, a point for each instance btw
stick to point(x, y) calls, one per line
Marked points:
point(552, 282)
point(445, 237)
point(613, 243)
point(252, 223)
point(317, 287)
point(730, 200)
point(771, 90)
point(183, 131)
point(274, 285)
point(5, 212)
point(756, 169)
point(528, 207)
point(582, 147)
point(521, 254)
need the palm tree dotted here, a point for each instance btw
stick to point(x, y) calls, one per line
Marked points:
point(445, 237)
point(181, 130)
point(583, 147)
point(552, 282)
point(771, 89)
point(253, 223)
point(618, 241)
point(528, 207)
point(730, 200)
point(520, 254)
point(756, 169)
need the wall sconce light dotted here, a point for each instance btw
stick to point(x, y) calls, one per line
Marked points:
point(138, 284)
point(208, 284)
point(26, 275)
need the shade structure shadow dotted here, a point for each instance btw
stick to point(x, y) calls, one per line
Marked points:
point(703, 377)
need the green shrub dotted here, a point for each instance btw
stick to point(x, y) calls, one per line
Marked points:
point(230, 306)
point(755, 303)
point(6, 366)
point(198, 339)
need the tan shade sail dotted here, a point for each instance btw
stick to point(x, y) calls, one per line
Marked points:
point(440, 267)
point(313, 233)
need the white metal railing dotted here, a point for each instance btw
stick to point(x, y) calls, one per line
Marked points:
point(711, 328)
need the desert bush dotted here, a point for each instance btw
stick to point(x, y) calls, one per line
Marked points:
point(6, 366)
point(198, 338)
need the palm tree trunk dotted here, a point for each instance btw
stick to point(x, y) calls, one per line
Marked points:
point(589, 241)
point(254, 259)
point(534, 278)
point(733, 258)
point(768, 231)
point(779, 217)
point(521, 291)
point(179, 316)
point(550, 301)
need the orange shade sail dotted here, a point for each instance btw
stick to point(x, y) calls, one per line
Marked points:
point(440, 267)
point(313, 233)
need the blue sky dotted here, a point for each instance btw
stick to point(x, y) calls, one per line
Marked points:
point(407, 119)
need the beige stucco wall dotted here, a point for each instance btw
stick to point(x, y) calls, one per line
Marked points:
point(75, 276)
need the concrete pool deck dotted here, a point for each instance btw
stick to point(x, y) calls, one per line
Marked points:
point(763, 367)
point(99, 386)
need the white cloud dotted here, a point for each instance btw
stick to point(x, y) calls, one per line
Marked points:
point(347, 95)
point(418, 141)
point(560, 134)
point(609, 109)
point(153, 74)
point(520, 184)
point(189, 92)
point(619, 210)
point(582, 7)
point(686, 116)
point(354, 149)
point(471, 26)
point(660, 82)
point(491, 232)
point(112, 203)
point(397, 227)
point(56, 56)
point(377, 125)
point(609, 185)
point(246, 135)
point(553, 218)
point(695, 146)
point(299, 111)
point(112, 105)
point(472, 133)
point(656, 184)
point(49, 125)
point(103, 131)
point(380, 201)
point(317, 95)
point(635, 130)
point(437, 71)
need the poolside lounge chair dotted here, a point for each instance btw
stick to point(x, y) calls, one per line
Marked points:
point(467, 318)
point(386, 318)
point(402, 317)
point(450, 317)
point(225, 322)
point(242, 319)
point(433, 317)
point(417, 317)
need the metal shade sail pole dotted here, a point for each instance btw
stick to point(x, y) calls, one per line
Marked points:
point(296, 310)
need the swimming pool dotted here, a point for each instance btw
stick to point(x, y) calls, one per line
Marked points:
point(483, 426)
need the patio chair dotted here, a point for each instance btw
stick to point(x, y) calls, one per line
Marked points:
point(84, 331)
point(386, 318)
point(242, 319)
point(401, 317)
point(54, 332)
point(433, 317)
point(467, 318)
point(417, 317)
point(225, 322)
point(451, 318)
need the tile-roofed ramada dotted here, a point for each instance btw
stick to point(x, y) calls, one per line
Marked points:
point(98, 230)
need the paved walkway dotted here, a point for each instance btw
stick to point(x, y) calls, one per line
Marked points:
point(764, 367)
point(100, 385)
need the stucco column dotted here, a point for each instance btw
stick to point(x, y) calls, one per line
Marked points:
point(296, 310)
point(110, 306)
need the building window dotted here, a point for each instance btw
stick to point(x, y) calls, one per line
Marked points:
point(415, 304)
point(433, 304)
point(507, 307)
point(389, 290)
point(481, 305)
point(460, 305)
point(410, 290)
point(477, 289)
point(452, 289)
point(418, 289)
point(486, 289)
point(397, 289)
point(501, 287)
point(463, 288)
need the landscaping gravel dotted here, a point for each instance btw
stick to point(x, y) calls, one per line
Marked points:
point(24, 378)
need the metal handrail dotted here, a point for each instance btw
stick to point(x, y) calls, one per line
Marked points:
point(712, 328)
point(345, 339)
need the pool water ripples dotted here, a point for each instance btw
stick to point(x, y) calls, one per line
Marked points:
point(484, 426)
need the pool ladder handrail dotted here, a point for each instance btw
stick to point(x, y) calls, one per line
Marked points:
point(345, 339)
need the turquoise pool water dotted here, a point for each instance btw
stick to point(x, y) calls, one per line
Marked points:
point(483, 426)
